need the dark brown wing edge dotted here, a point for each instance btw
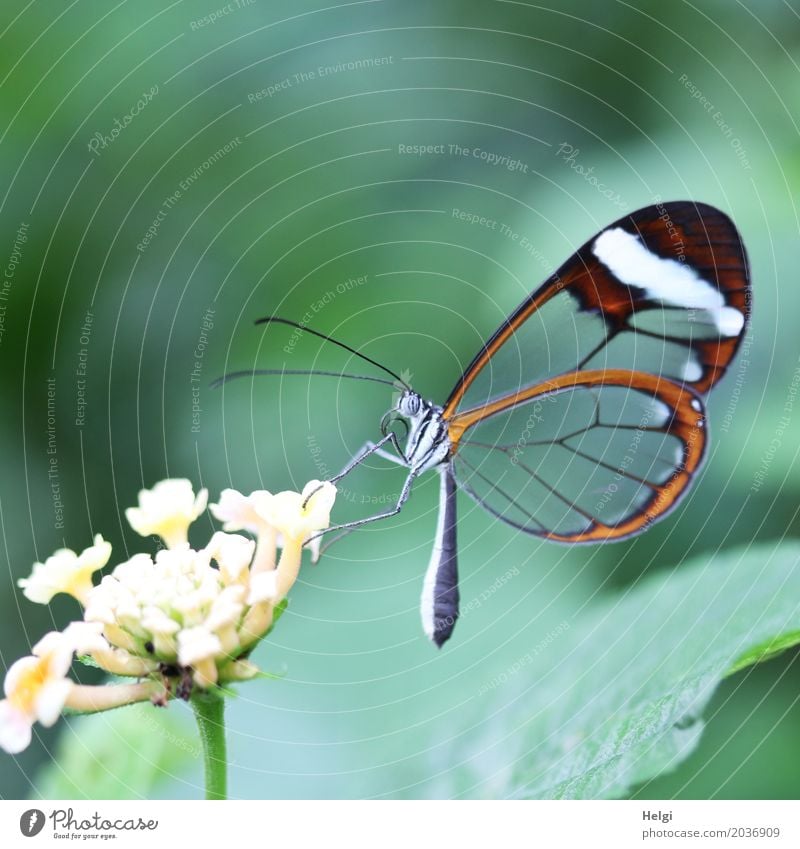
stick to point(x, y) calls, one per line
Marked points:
point(704, 236)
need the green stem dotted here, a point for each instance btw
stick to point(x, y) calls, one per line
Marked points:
point(209, 708)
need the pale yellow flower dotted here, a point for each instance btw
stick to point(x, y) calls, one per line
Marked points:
point(66, 572)
point(168, 617)
point(239, 512)
point(233, 554)
point(36, 689)
point(167, 510)
point(297, 516)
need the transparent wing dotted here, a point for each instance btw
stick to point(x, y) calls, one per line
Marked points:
point(591, 456)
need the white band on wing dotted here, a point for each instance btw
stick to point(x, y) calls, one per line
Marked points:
point(675, 283)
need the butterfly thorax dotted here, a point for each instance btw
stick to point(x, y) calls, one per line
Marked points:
point(427, 443)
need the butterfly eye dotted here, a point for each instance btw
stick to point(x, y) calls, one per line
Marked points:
point(410, 404)
point(389, 421)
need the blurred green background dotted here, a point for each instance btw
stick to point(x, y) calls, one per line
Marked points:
point(178, 170)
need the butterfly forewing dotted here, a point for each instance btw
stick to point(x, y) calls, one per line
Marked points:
point(662, 291)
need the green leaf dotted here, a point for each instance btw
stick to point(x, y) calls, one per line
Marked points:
point(615, 696)
point(765, 651)
point(119, 754)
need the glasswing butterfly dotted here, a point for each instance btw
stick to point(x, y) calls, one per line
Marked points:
point(581, 420)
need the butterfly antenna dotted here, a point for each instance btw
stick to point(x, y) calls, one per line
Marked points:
point(273, 319)
point(259, 372)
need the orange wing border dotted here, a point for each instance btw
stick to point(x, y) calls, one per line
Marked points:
point(686, 422)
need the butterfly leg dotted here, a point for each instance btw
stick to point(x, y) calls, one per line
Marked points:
point(357, 523)
point(387, 455)
point(370, 447)
point(366, 450)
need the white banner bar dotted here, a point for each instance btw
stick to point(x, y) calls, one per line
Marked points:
point(404, 825)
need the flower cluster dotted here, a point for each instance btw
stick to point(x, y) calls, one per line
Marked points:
point(185, 618)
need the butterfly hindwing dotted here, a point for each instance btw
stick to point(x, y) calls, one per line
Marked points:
point(588, 457)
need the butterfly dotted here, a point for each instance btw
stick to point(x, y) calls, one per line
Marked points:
point(582, 418)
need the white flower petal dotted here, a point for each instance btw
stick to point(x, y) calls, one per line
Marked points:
point(17, 672)
point(97, 555)
point(55, 650)
point(66, 572)
point(237, 512)
point(167, 510)
point(321, 496)
point(155, 620)
point(15, 728)
point(50, 701)
point(298, 516)
point(226, 609)
point(283, 511)
point(263, 587)
point(314, 547)
point(233, 554)
point(197, 644)
point(134, 573)
point(85, 637)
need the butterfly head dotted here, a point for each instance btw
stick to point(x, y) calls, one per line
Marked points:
point(411, 404)
point(426, 434)
point(407, 410)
